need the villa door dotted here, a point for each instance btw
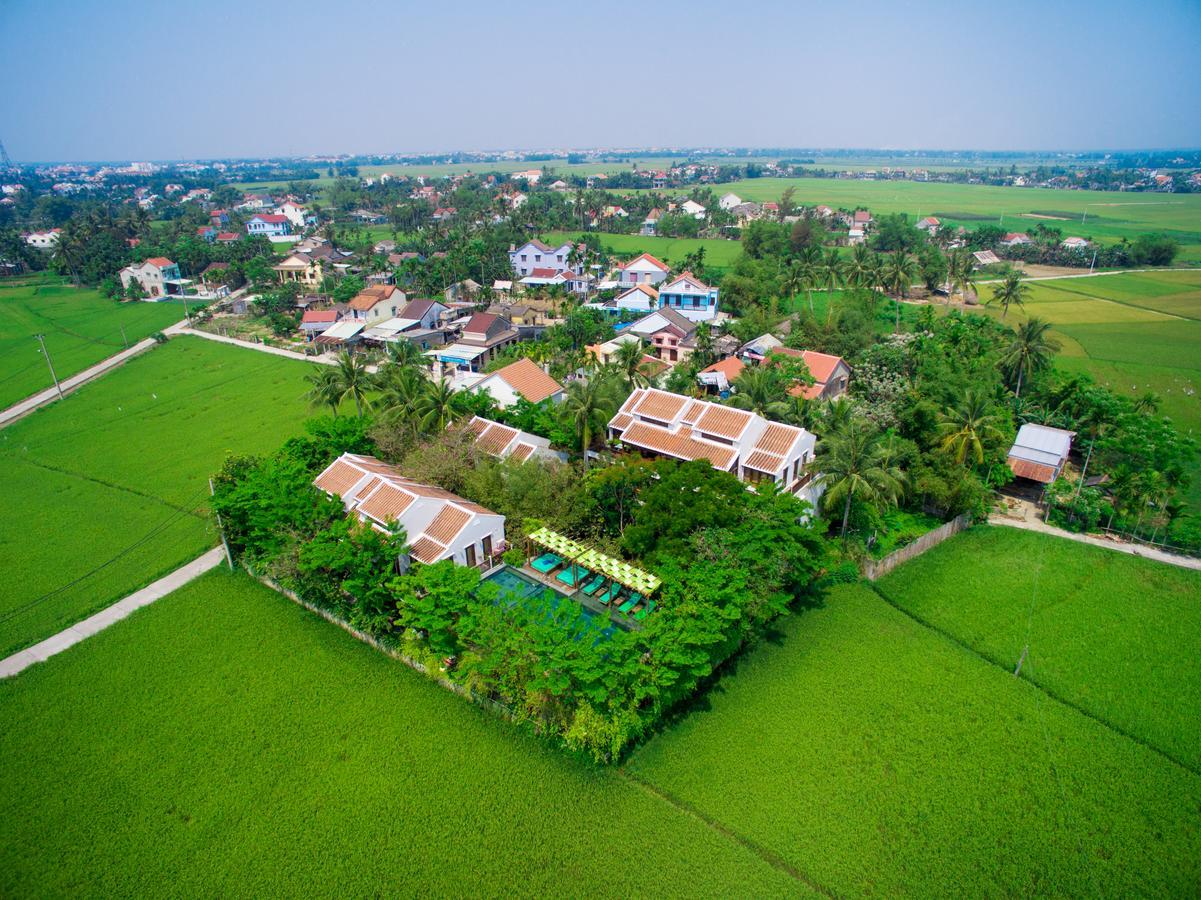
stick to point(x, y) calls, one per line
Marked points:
point(487, 546)
point(470, 555)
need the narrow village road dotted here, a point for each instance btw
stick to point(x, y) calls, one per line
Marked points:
point(96, 623)
point(1152, 553)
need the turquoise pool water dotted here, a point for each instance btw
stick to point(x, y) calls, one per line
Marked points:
point(518, 587)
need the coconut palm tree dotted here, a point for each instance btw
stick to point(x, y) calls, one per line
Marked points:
point(810, 267)
point(1010, 291)
point(967, 426)
point(437, 407)
point(405, 355)
point(961, 273)
point(899, 272)
point(324, 391)
point(830, 278)
point(401, 390)
point(352, 380)
point(1030, 351)
point(857, 271)
point(762, 390)
point(589, 405)
point(628, 359)
point(856, 465)
point(793, 280)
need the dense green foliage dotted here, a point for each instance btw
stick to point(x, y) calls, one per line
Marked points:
point(107, 490)
point(1116, 636)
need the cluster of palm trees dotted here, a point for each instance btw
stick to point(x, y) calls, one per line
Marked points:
point(858, 463)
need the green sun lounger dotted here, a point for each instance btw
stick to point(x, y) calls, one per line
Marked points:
point(610, 594)
point(546, 562)
point(594, 585)
point(629, 604)
point(646, 610)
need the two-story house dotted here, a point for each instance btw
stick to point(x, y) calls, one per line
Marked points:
point(269, 225)
point(296, 214)
point(690, 297)
point(483, 338)
point(671, 336)
point(157, 276)
point(537, 255)
point(376, 303)
point(642, 269)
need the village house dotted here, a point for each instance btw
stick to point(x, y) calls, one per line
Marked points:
point(315, 321)
point(268, 225)
point(729, 201)
point(1075, 243)
point(692, 208)
point(1039, 452)
point(297, 215)
point(437, 524)
point(483, 338)
point(207, 233)
point(642, 269)
point(43, 240)
point(743, 443)
point(219, 218)
point(1014, 239)
point(522, 379)
point(309, 262)
point(255, 203)
point(651, 223)
point(536, 255)
point(605, 354)
point(831, 374)
point(672, 337)
point(504, 442)
point(930, 225)
point(690, 297)
point(640, 298)
point(861, 219)
point(376, 303)
point(157, 276)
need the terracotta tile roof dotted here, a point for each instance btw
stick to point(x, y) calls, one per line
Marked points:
point(447, 524)
point(621, 421)
point(660, 440)
point(764, 462)
point(821, 365)
point(426, 551)
point(160, 261)
point(688, 276)
point(320, 315)
point(346, 471)
point(527, 379)
point(724, 421)
point(480, 322)
point(777, 438)
point(1023, 468)
point(731, 367)
point(522, 452)
point(543, 273)
point(692, 412)
point(478, 426)
point(386, 502)
point(660, 405)
point(496, 438)
point(650, 259)
point(365, 300)
point(270, 217)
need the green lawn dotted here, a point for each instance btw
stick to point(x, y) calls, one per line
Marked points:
point(223, 742)
point(80, 326)
point(719, 254)
point(878, 758)
point(1115, 635)
point(123, 465)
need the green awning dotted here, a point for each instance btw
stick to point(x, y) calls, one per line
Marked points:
point(615, 569)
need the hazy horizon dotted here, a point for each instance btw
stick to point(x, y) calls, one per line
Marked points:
point(133, 80)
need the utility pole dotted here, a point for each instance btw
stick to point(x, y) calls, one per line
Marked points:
point(229, 560)
point(42, 340)
point(1093, 263)
point(124, 339)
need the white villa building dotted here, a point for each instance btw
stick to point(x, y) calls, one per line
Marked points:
point(438, 525)
point(537, 255)
point(732, 440)
point(505, 442)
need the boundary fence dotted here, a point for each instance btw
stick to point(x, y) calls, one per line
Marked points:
point(877, 568)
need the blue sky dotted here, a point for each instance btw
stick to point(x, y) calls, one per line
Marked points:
point(121, 79)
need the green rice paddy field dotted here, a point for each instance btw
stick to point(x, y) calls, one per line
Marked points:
point(81, 328)
point(115, 476)
point(224, 741)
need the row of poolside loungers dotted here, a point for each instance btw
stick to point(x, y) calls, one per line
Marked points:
point(590, 584)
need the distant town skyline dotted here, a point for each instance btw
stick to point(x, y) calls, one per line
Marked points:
point(130, 79)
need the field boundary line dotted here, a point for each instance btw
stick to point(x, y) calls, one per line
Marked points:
point(1151, 554)
point(73, 383)
point(1128, 305)
point(113, 486)
point(1049, 692)
point(94, 624)
point(771, 858)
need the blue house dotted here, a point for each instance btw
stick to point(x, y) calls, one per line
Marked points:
point(268, 225)
point(690, 297)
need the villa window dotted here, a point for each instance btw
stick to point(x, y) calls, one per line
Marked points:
point(469, 554)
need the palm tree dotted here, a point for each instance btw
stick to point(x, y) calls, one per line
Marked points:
point(961, 273)
point(589, 405)
point(810, 267)
point(760, 389)
point(405, 355)
point(830, 276)
point(351, 379)
point(1011, 290)
point(793, 281)
point(437, 407)
point(629, 364)
point(324, 391)
point(856, 464)
point(899, 272)
point(1030, 351)
point(401, 391)
point(857, 271)
point(966, 427)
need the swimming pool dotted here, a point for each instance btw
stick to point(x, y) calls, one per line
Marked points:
point(520, 587)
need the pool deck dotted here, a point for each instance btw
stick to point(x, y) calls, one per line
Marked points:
point(629, 623)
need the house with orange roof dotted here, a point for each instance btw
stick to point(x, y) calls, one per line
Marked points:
point(157, 276)
point(376, 303)
point(520, 380)
point(831, 374)
point(437, 524)
point(642, 269)
point(640, 298)
point(506, 442)
point(754, 449)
